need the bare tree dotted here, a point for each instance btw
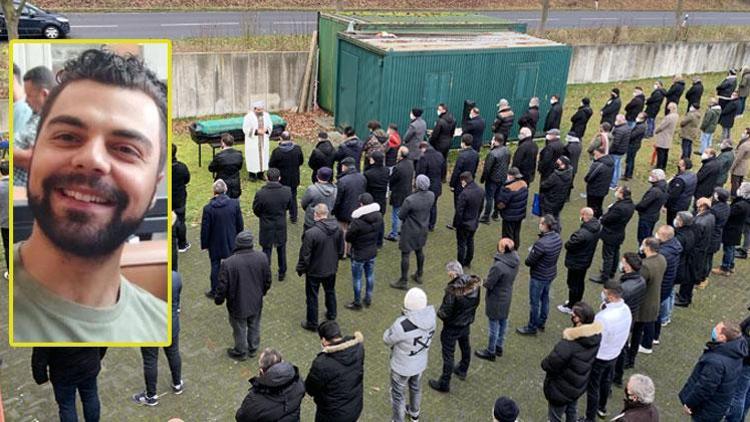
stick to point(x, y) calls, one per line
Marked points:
point(545, 15)
point(678, 18)
point(12, 14)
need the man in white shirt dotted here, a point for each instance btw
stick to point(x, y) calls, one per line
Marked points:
point(616, 318)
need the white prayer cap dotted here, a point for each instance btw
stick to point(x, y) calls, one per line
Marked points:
point(258, 104)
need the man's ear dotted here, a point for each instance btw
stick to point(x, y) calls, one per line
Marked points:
point(159, 178)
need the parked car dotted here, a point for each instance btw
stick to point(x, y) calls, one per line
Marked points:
point(36, 22)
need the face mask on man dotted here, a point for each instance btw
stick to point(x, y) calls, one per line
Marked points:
point(604, 297)
point(620, 267)
point(714, 335)
point(438, 112)
point(704, 156)
point(674, 223)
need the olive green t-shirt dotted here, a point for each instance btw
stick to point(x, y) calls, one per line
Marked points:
point(41, 316)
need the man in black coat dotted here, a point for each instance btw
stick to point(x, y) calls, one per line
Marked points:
point(377, 176)
point(728, 114)
point(415, 214)
point(707, 175)
point(649, 209)
point(493, 175)
point(468, 160)
point(363, 234)
point(288, 158)
point(351, 147)
point(244, 279)
point(739, 212)
point(614, 222)
point(442, 136)
point(580, 249)
point(319, 261)
point(554, 115)
point(580, 119)
point(553, 149)
point(322, 155)
point(504, 119)
point(226, 166)
point(525, 157)
point(275, 394)
point(432, 164)
point(636, 137)
point(468, 208)
point(180, 179)
point(694, 94)
point(612, 107)
point(530, 118)
point(400, 184)
point(220, 223)
point(681, 189)
point(597, 180)
point(553, 191)
point(351, 183)
point(635, 106)
point(675, 92)
point(653, 104)
point(70, 369)
point(457, 311)
point(511, 202)
point(270, 205)
point(336, 375)
point(474, 126)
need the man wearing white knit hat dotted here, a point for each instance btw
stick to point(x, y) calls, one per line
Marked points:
point(409, 338)
point(257, 127)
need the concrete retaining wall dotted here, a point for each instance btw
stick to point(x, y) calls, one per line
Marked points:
point(609, 63)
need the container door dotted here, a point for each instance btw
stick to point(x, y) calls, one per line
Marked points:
point(526, 82)
point(437, 89)
point(347, 99)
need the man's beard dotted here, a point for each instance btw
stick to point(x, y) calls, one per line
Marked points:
point(73, 232)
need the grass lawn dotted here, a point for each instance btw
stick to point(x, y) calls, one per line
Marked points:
point(215, 385)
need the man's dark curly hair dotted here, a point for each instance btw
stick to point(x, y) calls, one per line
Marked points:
point(108, 68)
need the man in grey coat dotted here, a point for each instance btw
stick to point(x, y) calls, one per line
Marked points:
point(415, 134)
point(409, 338)
point(415, 215)
point(321, 192)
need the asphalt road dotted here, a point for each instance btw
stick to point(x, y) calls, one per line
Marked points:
point(187, 24)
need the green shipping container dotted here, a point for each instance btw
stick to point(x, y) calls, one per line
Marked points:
point(384, 78)
point(329, 25)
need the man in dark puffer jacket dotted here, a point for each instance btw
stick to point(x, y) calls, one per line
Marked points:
point(322, 155)
point(363, 234)
point(568, 365)
point(511, 202)
point(597, 180)
point(336, 374)
point(649, 209)
point(671, 249)
point(275, 393)
point(226, 166)
point(553, 190)
point(580, 252)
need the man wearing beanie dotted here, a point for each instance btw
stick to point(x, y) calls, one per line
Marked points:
point(363, 234)
point(320, 192)
point(322, 156)
point(244, 278)
point(505, 410)
point(409, 338)
point(612, 107)
point(415, 215)
point(336, 374)
point(415, 134)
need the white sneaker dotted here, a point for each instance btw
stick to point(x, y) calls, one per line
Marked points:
point(5, 275)
point(582, 195)
point(664, 324)
point(564, 309)
point(644, 350)
point(656, 342)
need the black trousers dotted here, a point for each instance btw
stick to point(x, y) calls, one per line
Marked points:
point(512, 229)
point(639, 332)
point(685, 293)
point(597, 391)
point(280, 255)
point(405, 263)
point(576, 285)
point(312, 286)
point(620, 365)
point(151, 364)
point(6, 244)
point(610, 258)
point(645, 229)
point(448, 338)
point(735, 182)
point(465, 242)
point(181, 228)
point(595, 203)
point(295, 208)
point(662, 156)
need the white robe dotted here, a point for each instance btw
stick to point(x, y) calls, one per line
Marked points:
point(256, 163)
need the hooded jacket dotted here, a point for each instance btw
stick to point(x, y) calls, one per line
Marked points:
point(581, 246)
point(499, 285)
point(321, 246)
point(653, 200)
point(270, 205)
point(671, 250)
point(709, 390)
point(322, 156)
point(442, 134)
point(599, 176)
point(542, 259)
point(410, 338)
point(580, 120)
point(335, 380)
point(317, 193)
point(415, 215)
point(226, 166)
point(620, 139)
point(653, 103)
point(220, 223)
point(554, 190)
point(400, 181)
point(351, 147)
point(524, 159)
point(363, 232)
point(615, 220)
point(503, 122)
point(350, 185)
point(288, 158)
point(512, 200)
point(244, 279)
point(634, 106)
point(460, 302)
point(569, 364)
point(275, 396)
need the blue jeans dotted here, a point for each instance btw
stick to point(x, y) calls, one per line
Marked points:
point(631, 124)
point(618, 168)
point(645, 229)
point(650, 126)
point(630, 160)
point(369, 270)
point(538, 302)
point(65, 395)
point(706, 139)
point(665, 309)
point(490, 190)
point(741, 400)
point(728, 262)
point(395, 221)
point(497, 334)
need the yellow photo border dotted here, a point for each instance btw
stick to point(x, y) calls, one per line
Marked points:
point(168, 164)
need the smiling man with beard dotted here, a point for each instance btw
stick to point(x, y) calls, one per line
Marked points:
point(98, 158)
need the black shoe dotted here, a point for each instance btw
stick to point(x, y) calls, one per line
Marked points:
point(628, 365)
point(617, 383)
point(540, 329)
point(282, 276)
point(499, 351)
point(485, 354)
point(496, 217)
point(309, 327)
point(234, 354)
point(209, 294)
point(740, 253)
point(417, 278)
point(354, 306)
point(367, 302)
point(252, 353)
point(485, 220)
point(526, 331)
point(400, 284)
point(681, 303)
point(435, 385)
point(391, 238)
point(460, 375)
point(293, 220)
point(597, 279)
point(431, 229)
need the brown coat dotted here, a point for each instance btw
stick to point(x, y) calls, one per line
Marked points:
point(665, 131)
point(690, 126)
point(741, 159)
point(653, 272)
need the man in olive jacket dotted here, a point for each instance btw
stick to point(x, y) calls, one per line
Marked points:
point(709, 123)
point(690, 129)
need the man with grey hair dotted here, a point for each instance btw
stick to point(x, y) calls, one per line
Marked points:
point(37, 84)
point(524, 159)
point(457, 311)
point(649, 209)
point(221, 222)
point(504, 119)
point(639, 401)
point(415, 216)
point(530, 118)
